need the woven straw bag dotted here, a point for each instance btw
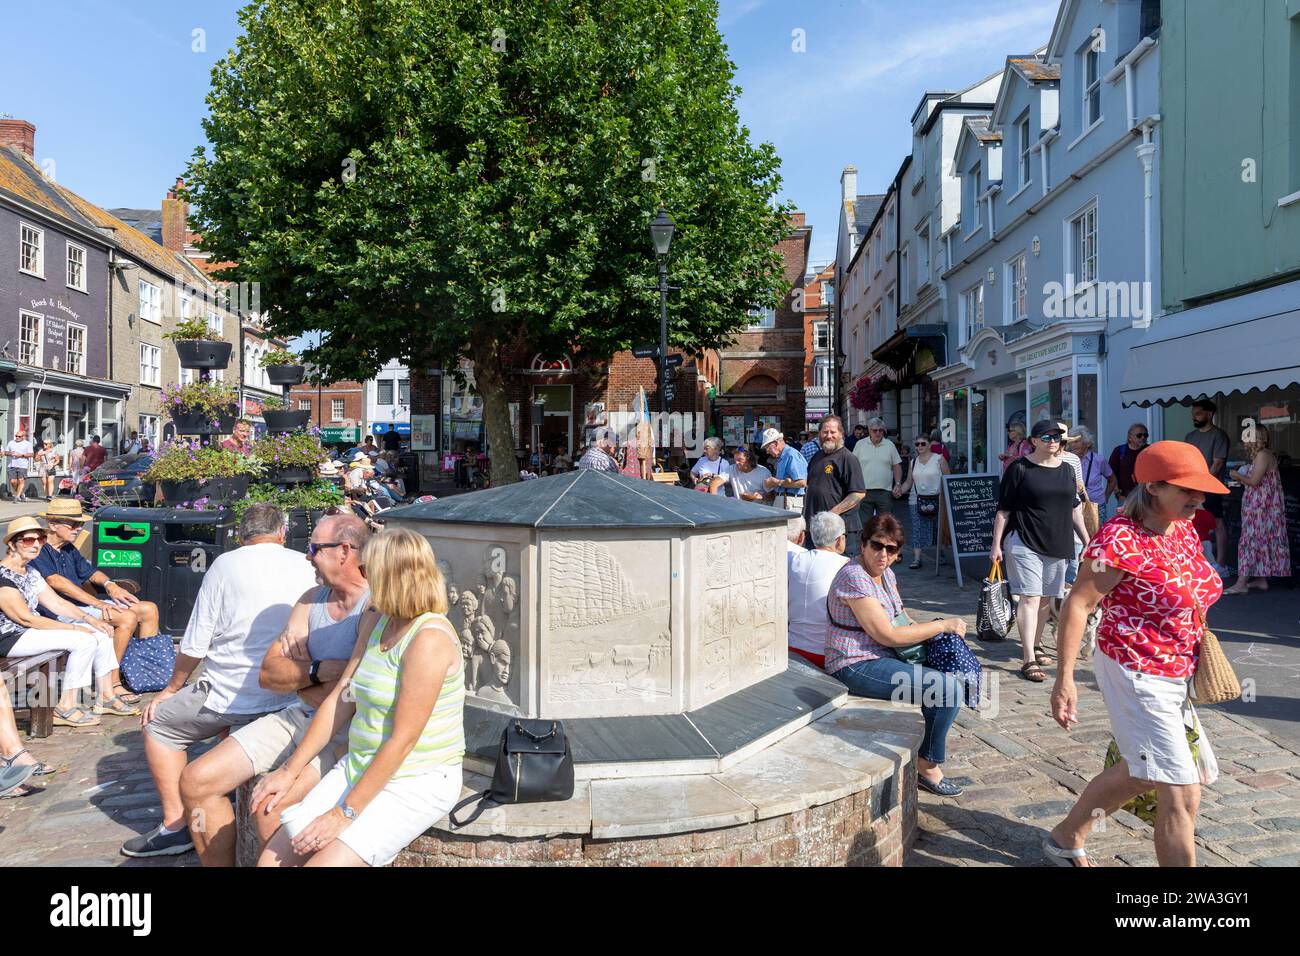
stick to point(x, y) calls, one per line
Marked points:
point(1214, 681)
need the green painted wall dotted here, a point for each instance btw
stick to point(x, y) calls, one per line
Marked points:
point(1230, 91)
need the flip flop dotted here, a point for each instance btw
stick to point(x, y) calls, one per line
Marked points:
point(125, 695)
point(41, 769)
point(1060, 856)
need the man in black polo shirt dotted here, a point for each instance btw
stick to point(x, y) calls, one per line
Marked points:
point(835, 482)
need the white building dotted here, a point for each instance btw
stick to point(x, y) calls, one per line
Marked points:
point(1050, 274)
point(388, 401)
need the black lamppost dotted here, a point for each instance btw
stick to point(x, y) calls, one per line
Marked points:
point(661, 234)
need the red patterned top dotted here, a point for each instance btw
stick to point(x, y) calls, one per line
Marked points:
point(1149, 621)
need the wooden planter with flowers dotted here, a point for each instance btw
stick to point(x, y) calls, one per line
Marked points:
point(191, 473)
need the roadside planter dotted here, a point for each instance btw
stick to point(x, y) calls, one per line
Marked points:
point(283, 420)
point(285, 374)
point(203, 353)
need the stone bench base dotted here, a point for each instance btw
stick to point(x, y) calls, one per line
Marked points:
point(841, 791)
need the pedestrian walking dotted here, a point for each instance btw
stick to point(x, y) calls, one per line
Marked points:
point(1018, 446)
point(1039, 515)
point(1263, 550)
point(924, 488)
point(96, 454)
point(868, 627)
point(881, 471)
point(859, 433)
point(790, 481)
point(44, 466)
point(1122, 459)
point(19, 454)
point(77, 463)
point(1213, 444)
point(835, 480)
point(1146, 570)
point(1096, 480)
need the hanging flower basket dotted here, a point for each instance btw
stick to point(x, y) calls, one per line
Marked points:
point(866, 393)
point(215, 489)
point(285, 374)
point(204, 421)
point(203, 353)
point(283, 420)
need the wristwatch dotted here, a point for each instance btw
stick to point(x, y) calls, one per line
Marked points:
point(348, 812)
point(314, 673)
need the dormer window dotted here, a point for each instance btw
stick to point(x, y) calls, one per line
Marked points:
point(1023, 141)
point(1091, 76)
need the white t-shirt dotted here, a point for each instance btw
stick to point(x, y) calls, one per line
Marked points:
point(1073, 461)
point(811, 574)
point(23, 447)
point(241, 608)
point(748, 482)
point(707, 469)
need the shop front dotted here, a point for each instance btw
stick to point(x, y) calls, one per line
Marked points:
point(1062, 367)
point(61, 408)
point(979, 396)
point(1243, 354)
point(911, 402)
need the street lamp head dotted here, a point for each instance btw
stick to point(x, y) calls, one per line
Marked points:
point(661, 232)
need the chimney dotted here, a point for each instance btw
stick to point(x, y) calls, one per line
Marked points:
point(849, 183)
point(19, 134)
point(175, 219)
point(796, 220)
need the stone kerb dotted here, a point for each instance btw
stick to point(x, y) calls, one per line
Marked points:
point(840, 791)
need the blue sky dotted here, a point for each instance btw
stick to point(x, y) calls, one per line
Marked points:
point(121, 85)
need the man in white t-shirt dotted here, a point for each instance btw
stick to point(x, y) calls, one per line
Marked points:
point(19, 454)
point(794, 538)
point(810, 577)
point(242, 608)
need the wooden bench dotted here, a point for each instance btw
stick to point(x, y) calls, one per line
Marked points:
point(47, 666)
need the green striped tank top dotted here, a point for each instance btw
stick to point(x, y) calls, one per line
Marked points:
point(375, 686)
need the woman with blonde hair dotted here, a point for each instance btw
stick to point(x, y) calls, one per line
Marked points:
point(1263, 551)
point(404, 692)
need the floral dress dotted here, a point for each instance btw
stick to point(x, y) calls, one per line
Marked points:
point(1263, 551)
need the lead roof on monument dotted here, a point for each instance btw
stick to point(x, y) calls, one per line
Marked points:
point(592, 499)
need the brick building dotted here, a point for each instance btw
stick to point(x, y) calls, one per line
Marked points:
point(338, 408)
point(762, 371)
point(818, 309)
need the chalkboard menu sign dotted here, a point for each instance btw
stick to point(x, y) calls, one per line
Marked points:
point(972, 503)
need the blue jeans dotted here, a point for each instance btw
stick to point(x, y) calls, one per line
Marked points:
point(888, 678)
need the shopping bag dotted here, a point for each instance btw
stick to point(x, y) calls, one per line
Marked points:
point(993, 616)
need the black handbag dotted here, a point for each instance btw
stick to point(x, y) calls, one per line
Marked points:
point(927, 506)
point(534, 765)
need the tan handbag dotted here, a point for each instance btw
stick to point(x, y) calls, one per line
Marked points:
point(1214, 681)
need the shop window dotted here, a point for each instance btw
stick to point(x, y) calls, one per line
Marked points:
point(1088, 402)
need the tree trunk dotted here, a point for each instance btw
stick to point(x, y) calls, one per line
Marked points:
point(489, 380)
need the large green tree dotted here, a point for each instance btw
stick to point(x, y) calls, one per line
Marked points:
point(428, 180)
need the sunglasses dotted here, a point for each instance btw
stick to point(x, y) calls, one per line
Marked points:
point(1052, 437)
point(315, 549)
point(890, 549)
point(30, 539)
point(923, 444)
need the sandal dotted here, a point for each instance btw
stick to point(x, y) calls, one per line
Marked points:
point(116, 707)
point(120, 692)
point(65, 718)
point(1060, 856)
point(1033, 672)
point(1043, 659)
point(41, 769)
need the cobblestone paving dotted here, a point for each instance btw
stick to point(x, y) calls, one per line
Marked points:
point(1022, 772)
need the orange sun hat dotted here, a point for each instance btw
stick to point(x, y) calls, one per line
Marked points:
point(1177, 463)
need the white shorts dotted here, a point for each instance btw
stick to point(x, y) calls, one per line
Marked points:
point(405, 808)
point(1147, 717)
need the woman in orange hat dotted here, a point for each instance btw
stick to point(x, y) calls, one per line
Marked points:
point(1146, 569)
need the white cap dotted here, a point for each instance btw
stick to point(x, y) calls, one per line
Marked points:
point(769, 436)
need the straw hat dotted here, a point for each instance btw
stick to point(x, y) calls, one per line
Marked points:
point(65, 509)
point(330, 469)
point(361, 461)
point(19, 525)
